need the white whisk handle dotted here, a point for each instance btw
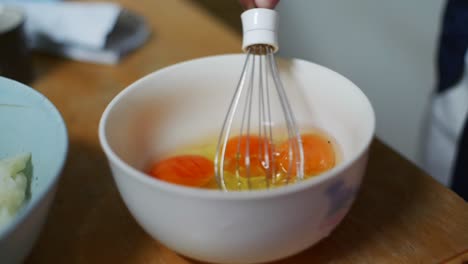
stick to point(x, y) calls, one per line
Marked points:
point(260, 26)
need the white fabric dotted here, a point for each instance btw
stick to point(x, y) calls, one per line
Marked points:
point(448, 114)
point(72, 23)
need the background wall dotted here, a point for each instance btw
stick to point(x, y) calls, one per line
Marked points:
point(386, 47)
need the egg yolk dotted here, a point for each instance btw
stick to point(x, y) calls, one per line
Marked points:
point(254, 148)
point(319, 155)
point(247, 158)
point(188, 170)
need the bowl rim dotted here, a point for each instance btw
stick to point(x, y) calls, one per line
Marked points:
point(30, 205)
point(220, 194)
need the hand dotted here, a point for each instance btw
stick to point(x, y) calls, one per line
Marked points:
point(247, 4)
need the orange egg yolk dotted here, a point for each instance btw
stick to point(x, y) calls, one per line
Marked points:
point(188, 170)
point(258, 151)
point(319, 155)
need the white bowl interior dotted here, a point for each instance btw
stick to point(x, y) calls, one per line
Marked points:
point(188, 101)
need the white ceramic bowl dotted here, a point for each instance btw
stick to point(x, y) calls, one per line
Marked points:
point(29, 122)
point(183, 102)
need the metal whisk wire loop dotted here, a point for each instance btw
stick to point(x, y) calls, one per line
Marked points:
point(255, 150)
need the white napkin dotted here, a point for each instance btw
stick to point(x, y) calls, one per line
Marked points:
point(78, 30)
point(84, 24)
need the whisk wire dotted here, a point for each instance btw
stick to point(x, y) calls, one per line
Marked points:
point(264, 146)
point(226, 128)
point(256, 156)
point(261, 147)
point(268, 124)
point(248, 109)
point(295, 148)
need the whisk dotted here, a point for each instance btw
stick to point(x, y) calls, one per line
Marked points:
point(259, 144)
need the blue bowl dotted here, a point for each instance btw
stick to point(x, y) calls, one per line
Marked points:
point(29, 122)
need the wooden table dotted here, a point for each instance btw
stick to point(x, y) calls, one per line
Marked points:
point(401, 214)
